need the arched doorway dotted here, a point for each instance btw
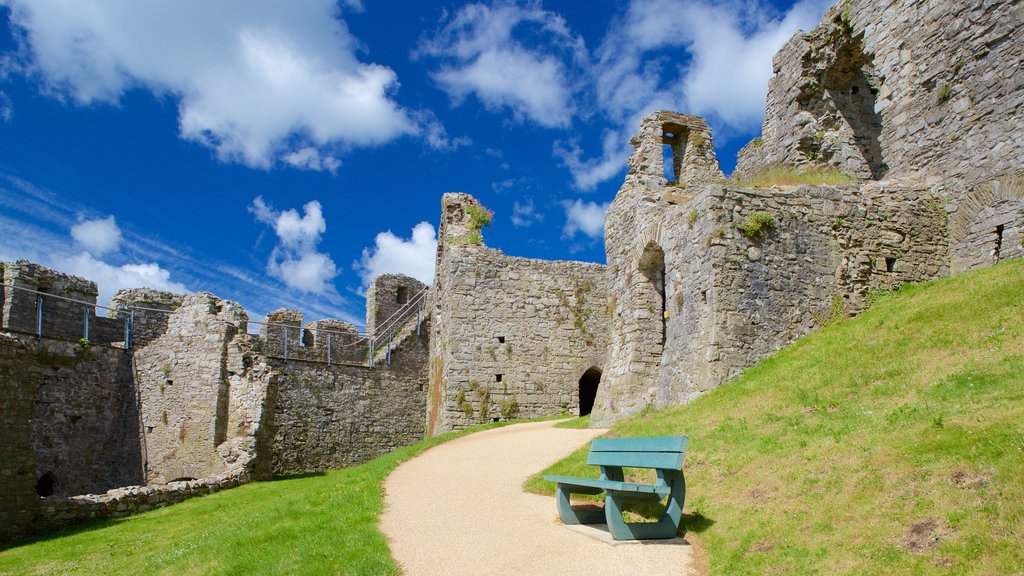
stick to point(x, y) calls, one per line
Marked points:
point(46, 485)
point(588, 390)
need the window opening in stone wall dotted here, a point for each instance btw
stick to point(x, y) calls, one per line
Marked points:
point(651, 295)
point(501, 339)
point(589, 382)
point(498, 377)
point(673, 140)
point(45, 485)
point(890, 264)
point(668, 172)
point(170, 382)
point(402, 295)
point(999, 243)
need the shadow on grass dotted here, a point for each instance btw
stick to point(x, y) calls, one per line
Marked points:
point(296, 476)
point(54, 533)
point(696, 523)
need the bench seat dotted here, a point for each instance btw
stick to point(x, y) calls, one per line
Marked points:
point(663, 454)
point(599, 485)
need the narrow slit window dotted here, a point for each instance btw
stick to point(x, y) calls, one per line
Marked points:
point(890, 264)
point(498, 377)
point(999, 242)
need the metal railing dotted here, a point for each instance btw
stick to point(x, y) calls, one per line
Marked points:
point(390, 327)
point(386, 332)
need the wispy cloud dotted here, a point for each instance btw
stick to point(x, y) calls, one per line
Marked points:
point(35, 224)
point(483, 52)
point(525, 214)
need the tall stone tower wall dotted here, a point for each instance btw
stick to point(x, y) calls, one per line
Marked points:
point(511, 337)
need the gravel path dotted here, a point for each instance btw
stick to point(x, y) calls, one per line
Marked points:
point(459, 509)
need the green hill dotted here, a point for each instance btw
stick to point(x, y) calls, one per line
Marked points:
point(889, 443)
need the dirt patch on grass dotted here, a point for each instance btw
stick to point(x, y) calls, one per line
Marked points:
point(970, 480)
point(700, 564)
point(924, 536)
point(763, 546)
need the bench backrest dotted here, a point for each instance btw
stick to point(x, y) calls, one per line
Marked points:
point(665, 452)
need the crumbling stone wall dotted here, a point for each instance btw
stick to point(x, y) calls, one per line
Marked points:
point(706, 281)
point(512, 337)
point(202, 386)
point(64, 316)
point(146, 309)
point(906, 88)
point(386, 296)
point(329, 417)
point(69, 424)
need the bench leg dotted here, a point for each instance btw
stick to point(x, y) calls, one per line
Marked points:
point(574, 516)
point(666, 527)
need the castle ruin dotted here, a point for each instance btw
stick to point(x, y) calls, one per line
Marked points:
point(171, 396)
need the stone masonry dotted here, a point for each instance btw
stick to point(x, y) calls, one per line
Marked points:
point(511, 337)
point(699, 291)
point(197, 406)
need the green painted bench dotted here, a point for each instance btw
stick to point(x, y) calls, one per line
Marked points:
point(664, 454)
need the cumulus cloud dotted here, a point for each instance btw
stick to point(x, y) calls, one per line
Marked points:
point(394, 255)
point(259, 83)
point(726, 48)
point(731, 46)
point(111, 278)
point(525, 214)
point(295, 259)
point(483, 53)
point(98, 236)
point(584, 217)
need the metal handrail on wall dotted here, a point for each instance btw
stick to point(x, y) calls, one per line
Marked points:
point(400, 317)
point(386, 331)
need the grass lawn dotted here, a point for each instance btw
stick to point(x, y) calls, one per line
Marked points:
point(892, 443)
point(312, 524)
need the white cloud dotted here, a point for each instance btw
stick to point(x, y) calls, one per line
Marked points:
point(727, 48)
point(309, 158)
point(98, 236)
point(585, 217)
point(6, 107)
point(393, 255)
point(295, 259)
point(257, 82)
point(110, 278)
point(483, 56)
point(525, 214)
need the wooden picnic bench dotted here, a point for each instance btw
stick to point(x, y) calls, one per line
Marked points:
point(664, 454)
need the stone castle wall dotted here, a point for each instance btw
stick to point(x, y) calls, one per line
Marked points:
point(69, 424)
point(330, 417)
point(695, 299)
point(201, 388)
point(199, 405)
point(511, 337)
point(387, 295)
point(64, 314)
point(900, 88)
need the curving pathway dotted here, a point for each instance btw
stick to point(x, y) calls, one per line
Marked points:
point(458, 508)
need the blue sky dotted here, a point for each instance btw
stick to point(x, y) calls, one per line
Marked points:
point(281, 154)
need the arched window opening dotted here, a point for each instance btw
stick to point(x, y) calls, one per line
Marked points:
point(652, 292)
point(588, 390)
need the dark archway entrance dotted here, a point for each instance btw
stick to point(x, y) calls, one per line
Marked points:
point(588, 390)
point(45, 485)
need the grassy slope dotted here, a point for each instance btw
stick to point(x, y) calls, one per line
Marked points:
point(891, 443)
point(317, 524)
